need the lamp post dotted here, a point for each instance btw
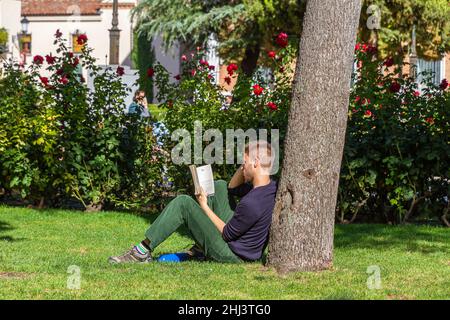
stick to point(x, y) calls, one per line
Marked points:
point(413, 61)
point(114, 36)
point(24, 46)
point(25, 23)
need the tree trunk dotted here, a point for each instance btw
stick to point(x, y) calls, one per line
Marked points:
point(250, 60)
point(302, 230)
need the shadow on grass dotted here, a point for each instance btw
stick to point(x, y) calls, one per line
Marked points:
point(5, 227)
point(408, 237)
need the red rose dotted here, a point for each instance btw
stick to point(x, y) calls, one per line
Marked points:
point(271, 54)
point(82, 39)
point(368, 113)
point(204, 62)
point(357, 47)
point(272, 106)
point(38, 59)
point(357, 99)
point(75, 63)
point(371, 49)
point(211, 68)
point(59, 72)
point(183, 57)
point(389, 62)
point(394, 87)
point(228, 80)
point(58, 34)
point(150, 72)
point(44, 80)
point(120, 71)
point(231, 68)
point(193, 72)
point(430, 120)
point(282, 40)
point(416, 93)
point(50, 59)
point(178, 77)
point(444, 84)
point(64, 80)
point(365, 101)
point(257, 89)
point(210, 76)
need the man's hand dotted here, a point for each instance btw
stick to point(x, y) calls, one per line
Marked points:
point(238, 178)
point(202, 198)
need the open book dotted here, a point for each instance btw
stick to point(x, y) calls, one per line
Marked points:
point(203, 177)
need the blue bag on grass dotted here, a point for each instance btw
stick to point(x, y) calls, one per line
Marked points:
point(173, 257)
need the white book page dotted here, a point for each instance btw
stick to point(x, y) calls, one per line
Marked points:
point(206, 179)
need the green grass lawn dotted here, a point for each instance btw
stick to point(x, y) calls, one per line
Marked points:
point(37, 247)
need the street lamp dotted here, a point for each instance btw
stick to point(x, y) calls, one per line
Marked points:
point(114, 36)
point(24, 39)
point(25, 23)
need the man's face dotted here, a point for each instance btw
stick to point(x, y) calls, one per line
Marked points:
point(248, 169)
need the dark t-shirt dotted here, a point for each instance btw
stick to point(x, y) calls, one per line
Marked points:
point(247, 231)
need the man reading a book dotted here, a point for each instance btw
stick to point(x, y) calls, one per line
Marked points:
point(222, 234)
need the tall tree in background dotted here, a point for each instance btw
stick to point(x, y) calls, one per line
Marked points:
point(397, 17)
point(303, 219)
point(244, 28)
point(143, 59)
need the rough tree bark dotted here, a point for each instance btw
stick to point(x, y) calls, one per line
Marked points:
point(302, 230)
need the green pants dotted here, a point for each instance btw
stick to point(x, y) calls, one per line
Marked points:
point(184, 210)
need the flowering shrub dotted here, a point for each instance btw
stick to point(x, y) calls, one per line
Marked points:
point(396, 155)
point(28, 136)
point(395, 164)
point(192, 95)
point(63, 139)
point(59, 139)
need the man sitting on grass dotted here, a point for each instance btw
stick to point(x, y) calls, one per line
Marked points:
point(223, 235)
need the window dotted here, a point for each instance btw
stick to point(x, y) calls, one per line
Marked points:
point(435, 68)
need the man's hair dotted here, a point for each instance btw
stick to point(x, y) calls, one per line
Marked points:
point(263, 150)
point(137, 93)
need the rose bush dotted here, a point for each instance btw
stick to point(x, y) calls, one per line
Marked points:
point(395, 164)
point(257, 102)
point(63, 140)
point(60, 139)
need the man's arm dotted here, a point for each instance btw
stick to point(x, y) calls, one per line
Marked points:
point(243, 219)
point(214, 218)
point(202, 200)
point(237, 179)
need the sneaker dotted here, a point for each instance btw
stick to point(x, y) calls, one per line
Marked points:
point(131, 255)
point(196, 253)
